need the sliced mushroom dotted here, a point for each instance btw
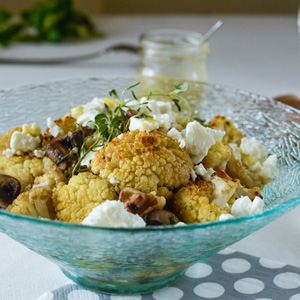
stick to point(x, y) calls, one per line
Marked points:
point(77, 136)
point(160, 217)
point(10, 189)
point(140, 203)
point(130, 113)
point(57, 150)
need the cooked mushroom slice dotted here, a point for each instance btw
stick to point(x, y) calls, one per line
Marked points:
point(10, 189)
point(77, 136)
point(57, 150)
point(140, 203)
point(160, 217)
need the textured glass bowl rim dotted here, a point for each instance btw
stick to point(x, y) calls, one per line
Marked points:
point(292, 203)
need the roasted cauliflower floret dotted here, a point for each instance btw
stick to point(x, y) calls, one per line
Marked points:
point(31, 170)
point(5, 139)
point(217, 156)
point(36, 203)
point(237, 170)
point(23, 168)
point(52, 174)
point(191, 204)
point(232, 135)
point(67, 124)
point(75, 200)
point(144, 161)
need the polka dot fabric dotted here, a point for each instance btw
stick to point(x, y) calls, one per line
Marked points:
point(226, 275)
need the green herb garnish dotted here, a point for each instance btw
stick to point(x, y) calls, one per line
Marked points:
point(49, 21)
point(113, 122)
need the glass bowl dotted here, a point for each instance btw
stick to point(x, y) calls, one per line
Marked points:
point(131, 261)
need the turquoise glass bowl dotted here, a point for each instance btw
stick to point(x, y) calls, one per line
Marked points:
point(134, 261)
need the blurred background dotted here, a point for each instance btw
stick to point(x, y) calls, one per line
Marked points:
point(171, 6)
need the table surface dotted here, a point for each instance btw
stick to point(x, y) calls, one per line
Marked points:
point(256, 53)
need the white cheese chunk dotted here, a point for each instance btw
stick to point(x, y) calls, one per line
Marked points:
point(46, 183)
point(224, 217)
point(54, 129)
point(143, 124)
point(39, 153)
point(112, 213)
point(199, 139)
point(9, 152)
point(24, 142)
point(93, 108)
point(206, 174)
point(175, 134)
point(269, 167)
point(244, 206)
point(224, 190)
point(113, 181)
point(163, 120)
point(252, 151)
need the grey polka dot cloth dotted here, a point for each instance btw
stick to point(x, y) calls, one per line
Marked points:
point(228, 275)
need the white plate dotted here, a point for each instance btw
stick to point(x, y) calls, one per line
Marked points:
point(48, 52)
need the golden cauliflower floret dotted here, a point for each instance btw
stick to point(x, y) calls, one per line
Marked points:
point(52, 174)
point(144, 161)
point(217, 156)
point(23, 168)
point(232, 135)
point(191, 203)
point(5, 139)
point(67, 124)
point(36, 203)
point(75, 200)
point(238, 171)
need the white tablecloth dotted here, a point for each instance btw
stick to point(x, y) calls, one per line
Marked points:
point(256, 53)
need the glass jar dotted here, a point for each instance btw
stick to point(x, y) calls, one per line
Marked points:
point(173, 53)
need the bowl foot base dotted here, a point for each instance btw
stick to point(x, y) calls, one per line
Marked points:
point(120, 288)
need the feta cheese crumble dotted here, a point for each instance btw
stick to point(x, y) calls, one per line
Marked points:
point(39, 153)
point(224, 217)
point(54, 129)
point(113, 181)
point(143, 124)
point(90, 110)
point(199, 139)
point(252, 151)
point(206, 174)
point(112, 213)
point(9, 152)
point(244, 206)
point(46, 183)
point(224, 190)
point(24, 142)
point(175, 134)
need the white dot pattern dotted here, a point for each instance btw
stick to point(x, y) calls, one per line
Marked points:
point(249, 286)
point(199, 270)
point(230, 275)
point(47, 296)
point(82, 295)
point(134, 297)
point(236, 265)
point(209, 290)
point(267, 263)
point(168, 293)
point(288, 280)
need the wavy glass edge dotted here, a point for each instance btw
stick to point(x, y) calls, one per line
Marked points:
point(292, 202)
point(153, 228)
